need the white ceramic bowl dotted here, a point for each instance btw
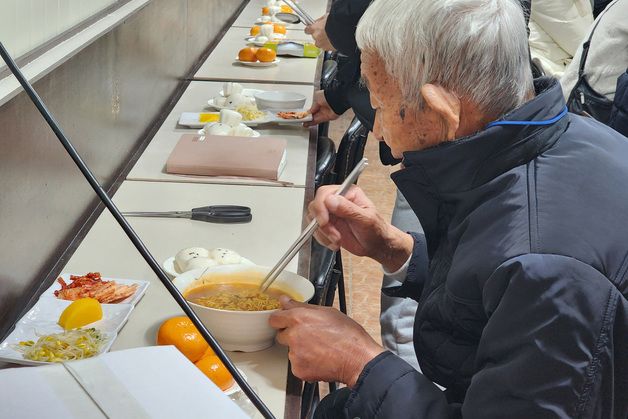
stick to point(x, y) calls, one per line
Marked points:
point(272, 99)
point(245, 331)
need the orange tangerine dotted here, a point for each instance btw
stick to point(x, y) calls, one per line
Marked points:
point(215, 371)
point(266, 55)
point(265, 11)
point(279, 28)
point(255, 30)
point(181, 332)
point(247, 54)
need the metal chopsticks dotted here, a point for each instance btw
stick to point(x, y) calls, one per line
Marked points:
point(309, 230)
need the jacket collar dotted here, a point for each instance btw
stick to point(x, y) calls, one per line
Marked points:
point(471, 161)
point(440, 183)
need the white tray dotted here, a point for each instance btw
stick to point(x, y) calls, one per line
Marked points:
point(191, 120)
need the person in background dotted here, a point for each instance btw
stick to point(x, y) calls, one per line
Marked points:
point(557, 27)
point(522, 272)
point(605, 61)
point(336, 32)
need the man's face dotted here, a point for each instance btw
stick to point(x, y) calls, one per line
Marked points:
point(401, 125)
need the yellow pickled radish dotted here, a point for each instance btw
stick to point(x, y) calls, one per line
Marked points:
point(80, 313)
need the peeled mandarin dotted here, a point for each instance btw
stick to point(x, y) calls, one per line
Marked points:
point(279, 28)
point(266, 55)
point(247, 54)
point(265, 11)
point(255, 30)
point(80, 313)
point(286, 9)
point(215, 371)
point(181, 332)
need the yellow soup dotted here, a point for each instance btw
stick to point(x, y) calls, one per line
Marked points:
point(237, 297)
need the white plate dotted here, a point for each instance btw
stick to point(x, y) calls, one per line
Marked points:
point(235, 387)
point(42, 320)
point(141, 289)
point(191, 120)
point(245, 92)
point(255, 133)
point(170, 269)
point(277, 119)
point(252, 40)
point(258, 63)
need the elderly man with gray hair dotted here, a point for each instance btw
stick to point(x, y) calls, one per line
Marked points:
point(522, 272)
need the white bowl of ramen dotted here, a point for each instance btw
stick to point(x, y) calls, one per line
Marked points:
point(226, 299)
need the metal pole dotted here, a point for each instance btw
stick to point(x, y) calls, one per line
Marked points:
point(132, 235)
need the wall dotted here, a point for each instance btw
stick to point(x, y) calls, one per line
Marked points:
point(105, 98)
point(26, 24)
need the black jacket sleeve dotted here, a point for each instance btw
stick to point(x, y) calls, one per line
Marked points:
point(342, 20)
point(412, 286)
point(550, 321)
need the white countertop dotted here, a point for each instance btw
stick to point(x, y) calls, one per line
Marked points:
point(221, 65)
point(276, 223)
point(151, 165)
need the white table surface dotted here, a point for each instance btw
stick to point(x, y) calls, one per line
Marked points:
point(151, 165)
point(221, 65)
point(253, 10)
point(276, 223)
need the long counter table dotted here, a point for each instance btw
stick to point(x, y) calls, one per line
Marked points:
point(151, 164)
point(253, 10)
point(221, 64)
point(276, 222)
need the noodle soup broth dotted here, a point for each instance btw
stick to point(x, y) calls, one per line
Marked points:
point(238, 296)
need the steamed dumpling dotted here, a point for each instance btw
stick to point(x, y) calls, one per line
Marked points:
point(217, 128)
point(229, 117)
point(267, 30)
point(236, 100)
point(198, 263)
point(242, 131)
point(220, 101)
point(225, 256)
point(182, 258)
point(231, 88)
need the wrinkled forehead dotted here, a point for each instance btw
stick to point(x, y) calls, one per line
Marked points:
point(377, 78)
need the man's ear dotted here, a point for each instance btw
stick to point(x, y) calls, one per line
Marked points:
point(445, 104)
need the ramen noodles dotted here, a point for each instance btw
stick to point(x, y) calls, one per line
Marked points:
point(236, 297)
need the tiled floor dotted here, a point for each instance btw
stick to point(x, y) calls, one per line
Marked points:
point(363, 276)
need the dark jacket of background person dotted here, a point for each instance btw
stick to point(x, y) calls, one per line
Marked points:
point(346, 90)
point(523, 310)
point(619, 113)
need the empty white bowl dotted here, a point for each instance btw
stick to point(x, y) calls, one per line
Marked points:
point(245, 331)
point(272, 99)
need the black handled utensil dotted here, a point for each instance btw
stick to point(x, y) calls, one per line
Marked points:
point(226, 214)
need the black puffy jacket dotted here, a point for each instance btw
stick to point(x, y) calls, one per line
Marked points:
point(522, 310)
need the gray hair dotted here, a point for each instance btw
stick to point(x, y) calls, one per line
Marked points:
point(477, 49)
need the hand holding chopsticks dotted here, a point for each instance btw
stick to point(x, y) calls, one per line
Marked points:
point(309, 230)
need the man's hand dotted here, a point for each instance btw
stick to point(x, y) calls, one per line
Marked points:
point(320, 110)
point(325, 345)
point(353, 223)
point(317, 30)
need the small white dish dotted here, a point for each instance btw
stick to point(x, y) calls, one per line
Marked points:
point(279, 100)
point(258, 63)
point(141, 288)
